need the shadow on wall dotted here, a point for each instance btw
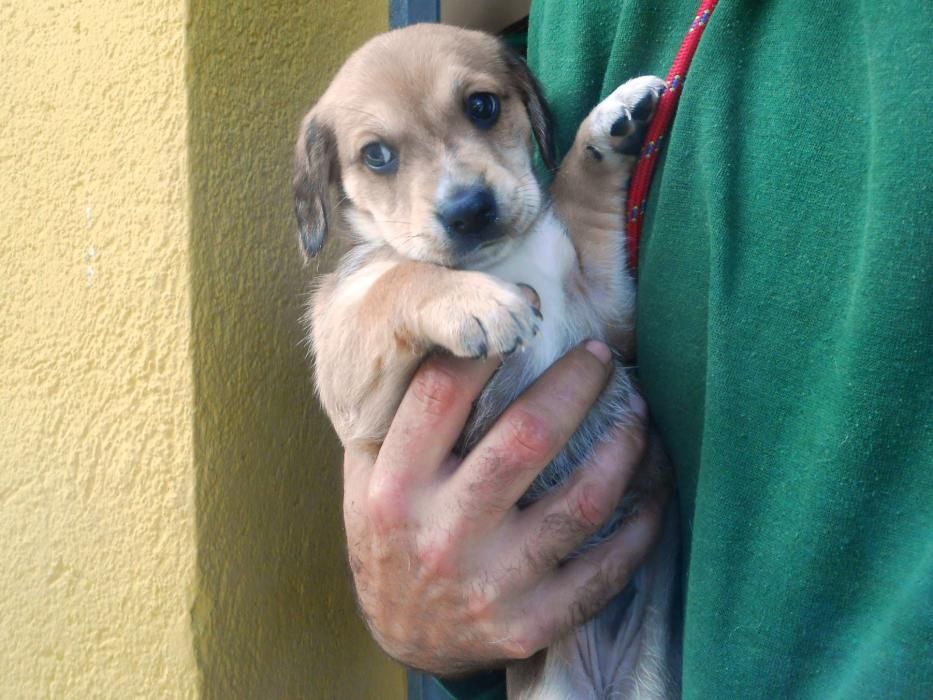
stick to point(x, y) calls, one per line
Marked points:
point(274, 616)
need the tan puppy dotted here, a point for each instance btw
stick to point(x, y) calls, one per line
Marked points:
point(422, 148)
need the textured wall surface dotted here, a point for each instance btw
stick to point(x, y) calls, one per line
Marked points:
point(274, 615)
point(169, 495)
point(96, 449)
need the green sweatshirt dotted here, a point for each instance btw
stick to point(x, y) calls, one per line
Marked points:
point(785, 327)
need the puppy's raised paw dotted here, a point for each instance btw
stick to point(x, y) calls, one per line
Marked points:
point(483, 316)
point(619, 122)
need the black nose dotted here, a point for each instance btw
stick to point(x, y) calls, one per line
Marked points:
point(469, 211)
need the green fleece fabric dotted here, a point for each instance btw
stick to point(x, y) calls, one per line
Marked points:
point(785, 327)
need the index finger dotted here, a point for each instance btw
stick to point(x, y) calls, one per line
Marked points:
point(432, 415)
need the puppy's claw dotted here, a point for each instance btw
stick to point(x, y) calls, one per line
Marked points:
point(644, 108)
point(531, 293)
point(511, 350)
point(622, 126)
point(482, 350)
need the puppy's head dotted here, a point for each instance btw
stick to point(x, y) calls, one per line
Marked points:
point(423, 142)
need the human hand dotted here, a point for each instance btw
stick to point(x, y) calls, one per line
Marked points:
point(451, 576)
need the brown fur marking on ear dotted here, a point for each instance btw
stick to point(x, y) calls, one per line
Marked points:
point(316, 169)
point(539, 113)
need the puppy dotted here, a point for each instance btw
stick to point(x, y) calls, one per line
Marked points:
point(422, 147)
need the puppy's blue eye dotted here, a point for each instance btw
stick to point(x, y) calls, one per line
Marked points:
point(380, 158)
point(482, 108)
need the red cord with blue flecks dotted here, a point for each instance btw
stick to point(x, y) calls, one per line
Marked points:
point(667, 107)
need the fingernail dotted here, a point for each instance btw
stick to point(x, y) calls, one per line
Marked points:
point(599, 350)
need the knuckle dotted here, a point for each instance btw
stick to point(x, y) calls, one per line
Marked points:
point(614, 574)
point(386, 504)
point(436, 556)
point(436, 389)
point(525, 640)
point(479, 604)
point(592, 506)
point(531, 433)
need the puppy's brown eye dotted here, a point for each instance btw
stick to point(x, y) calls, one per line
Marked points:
point(380, 158)
point(482, 108)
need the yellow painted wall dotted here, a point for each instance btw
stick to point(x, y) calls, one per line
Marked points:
point(169, 494)
point(97, 537)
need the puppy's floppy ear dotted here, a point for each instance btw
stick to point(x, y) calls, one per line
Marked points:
point(533, 97)
point(316, 169)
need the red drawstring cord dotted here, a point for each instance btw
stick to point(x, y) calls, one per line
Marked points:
point(667, 107)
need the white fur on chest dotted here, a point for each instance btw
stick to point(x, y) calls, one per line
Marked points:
point(543, 260)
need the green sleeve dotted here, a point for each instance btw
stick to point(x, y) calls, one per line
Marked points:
point(785, 327)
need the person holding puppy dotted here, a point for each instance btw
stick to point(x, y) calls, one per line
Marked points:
point(784, 336)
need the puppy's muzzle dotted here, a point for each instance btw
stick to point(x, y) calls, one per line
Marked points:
point(470, 215)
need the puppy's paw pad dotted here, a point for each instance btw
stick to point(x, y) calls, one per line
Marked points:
point(621, 120)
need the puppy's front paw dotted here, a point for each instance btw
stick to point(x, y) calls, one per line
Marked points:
point(619, 122)
point(485, 317)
